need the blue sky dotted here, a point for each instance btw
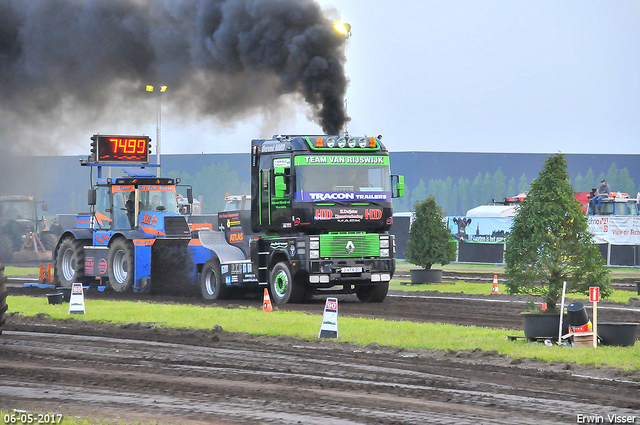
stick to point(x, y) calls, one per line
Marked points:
point(468, 76)
point(497, 76)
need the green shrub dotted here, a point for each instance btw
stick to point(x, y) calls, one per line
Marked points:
point(430, 240)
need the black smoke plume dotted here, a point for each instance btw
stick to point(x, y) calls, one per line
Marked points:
point(74, 63)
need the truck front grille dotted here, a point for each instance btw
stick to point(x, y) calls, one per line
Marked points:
point(176, 226)
point(349, 245)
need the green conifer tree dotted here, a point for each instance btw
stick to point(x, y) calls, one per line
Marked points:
point(430, 240)
point(549, 242)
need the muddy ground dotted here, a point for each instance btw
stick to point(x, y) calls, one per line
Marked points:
point(139, 373)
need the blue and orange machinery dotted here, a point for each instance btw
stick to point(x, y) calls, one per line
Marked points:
point(134, 234)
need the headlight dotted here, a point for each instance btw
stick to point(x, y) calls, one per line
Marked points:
point(314, 244)
point(314, 254)
point(384, 252)
point(384, 243)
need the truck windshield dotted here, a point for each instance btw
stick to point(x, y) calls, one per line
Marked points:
point(16, 209)
point(152, 197)
point(334, 174)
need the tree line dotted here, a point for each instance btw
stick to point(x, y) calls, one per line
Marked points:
point(457, 197)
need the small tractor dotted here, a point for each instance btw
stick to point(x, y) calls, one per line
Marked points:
point(24, 236)
point(134, 237)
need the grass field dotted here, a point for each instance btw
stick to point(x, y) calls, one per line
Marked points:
point(361, 331)
point(473, 288)
point(615, 272)
point(353, 330)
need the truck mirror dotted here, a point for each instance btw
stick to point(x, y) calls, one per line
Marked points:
point(280, 187)
point(400, 186)
point(190, 195)
point(278, 171)
point(397, 186)
point(91, 197)
point(44, 206)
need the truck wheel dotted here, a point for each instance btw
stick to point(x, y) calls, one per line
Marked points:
point(211, 284)
point(49, 241)
point(121, 265)
point(373, 293)
point(6, 248)
point(282, 287)
point(3, 297)
point(69, 263)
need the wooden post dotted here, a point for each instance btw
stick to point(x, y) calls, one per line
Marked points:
point(595, 323)
point(594, 297)
point(564, 290)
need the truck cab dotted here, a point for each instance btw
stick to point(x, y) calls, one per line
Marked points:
point(23, 233)
point(322, 207)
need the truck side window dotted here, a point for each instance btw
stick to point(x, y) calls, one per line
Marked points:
point(103, 206)
point(119, 211)
point(264, 196)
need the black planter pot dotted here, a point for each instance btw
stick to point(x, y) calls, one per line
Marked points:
point(577, 315)
point(55, 298)
point(617, 333)
point(543, 325)
point(426, 276)
point(66, 294)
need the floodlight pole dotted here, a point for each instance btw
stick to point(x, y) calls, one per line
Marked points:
point(161, 90)
point(158, 131)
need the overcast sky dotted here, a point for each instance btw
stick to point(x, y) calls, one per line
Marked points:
point(467, 76)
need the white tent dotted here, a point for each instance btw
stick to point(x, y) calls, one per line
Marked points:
point(492, 211)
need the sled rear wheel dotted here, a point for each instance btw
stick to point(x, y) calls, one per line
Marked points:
point(211, 284)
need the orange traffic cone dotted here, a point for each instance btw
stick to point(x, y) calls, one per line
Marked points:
point(49, 275)
point(267, 302)
point(494, 288)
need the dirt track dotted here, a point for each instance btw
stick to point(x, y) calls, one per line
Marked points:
point(136, 372)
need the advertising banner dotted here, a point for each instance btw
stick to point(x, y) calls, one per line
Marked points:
point(616, 230)
point(347, 214)
point(376, 196)
point(480, 229)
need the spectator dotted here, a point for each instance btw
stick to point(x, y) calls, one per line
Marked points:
point(156, 202)
point(56, 228)
point(603, 192)
point(604, 188)
point(592, 200)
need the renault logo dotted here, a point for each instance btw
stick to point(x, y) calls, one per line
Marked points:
point(350, 247)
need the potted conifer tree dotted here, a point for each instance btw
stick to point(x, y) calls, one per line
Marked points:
point(549, 244)
point(430, 242)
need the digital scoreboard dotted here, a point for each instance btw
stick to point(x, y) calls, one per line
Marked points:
point(115, 149)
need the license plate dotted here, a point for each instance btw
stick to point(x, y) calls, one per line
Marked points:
point(351, 270)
